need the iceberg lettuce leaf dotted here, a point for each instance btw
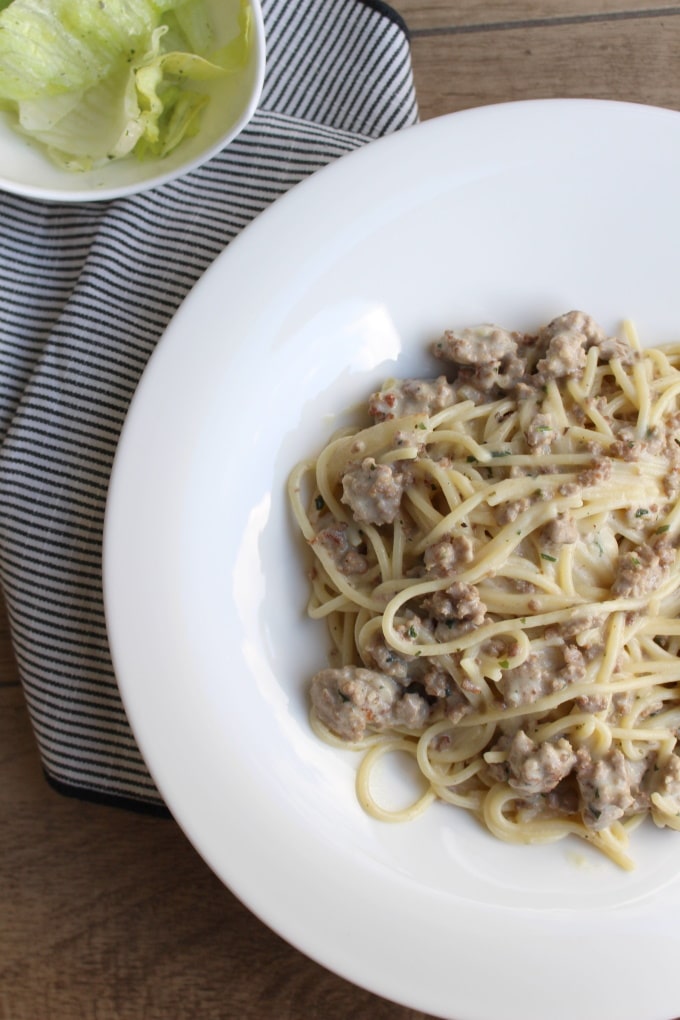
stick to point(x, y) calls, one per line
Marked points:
point(94, 81)
point(55, 47)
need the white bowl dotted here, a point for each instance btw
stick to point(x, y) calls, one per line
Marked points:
point(25, 168)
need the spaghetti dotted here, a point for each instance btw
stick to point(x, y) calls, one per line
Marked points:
point(494, 554)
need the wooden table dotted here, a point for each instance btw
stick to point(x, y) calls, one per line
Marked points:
point(105, 914)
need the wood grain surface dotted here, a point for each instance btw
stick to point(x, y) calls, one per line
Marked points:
point(106, 914)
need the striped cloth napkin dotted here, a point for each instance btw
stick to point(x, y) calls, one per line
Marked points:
point(86, 292)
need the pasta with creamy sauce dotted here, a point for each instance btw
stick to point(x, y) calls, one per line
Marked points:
point(495, 556)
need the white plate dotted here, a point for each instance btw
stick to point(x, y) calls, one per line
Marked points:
point(25, 168)
point(512, 213)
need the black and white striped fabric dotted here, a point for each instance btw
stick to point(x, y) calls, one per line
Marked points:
point(86, 292)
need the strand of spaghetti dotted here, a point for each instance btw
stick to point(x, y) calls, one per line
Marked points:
point(470, 800)
point(671, 351)
point(353, 595)
point(565, 573)
point(348, 647)
point(623, 382)
point(664, 812)
point(363, 783)
point(403, 453)
point(398, 547)
point(380, 551)
point(521, 605)
point(494, 427)
point(334, 605)
point(500, 798)
point(661, 359)
point(524, 569)
point(449, 522)
point(466, 410)
point(497, 550)
point(654, 734)
point(449, 485)
point(329, 737)
point(660, 407)
point(631, 335)
point(461, 746)
point(661, 626)
point(589, 408)
point(420, 507)
point(587, 722)
point(461, 441)
point(549, 702)
point(518, 488)
point(323, 584)
point(644, 400)
point(510, 459)
point(578, 434)
point(295, 483)
point(555, 404)
point(590, 372)
point(486, 631)
point(456, 776)
point(614, 634)
point(611, 500)
point(612, 845)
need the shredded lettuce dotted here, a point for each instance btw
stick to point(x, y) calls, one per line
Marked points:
point(95, 80)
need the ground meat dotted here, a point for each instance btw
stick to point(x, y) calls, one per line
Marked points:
point(459, 601)
point(335, 539)
point(561, 530)
point(568, 338)
point(599, 471)
point(445, 557)
point(579, 323)
point(573, 627)
point(643, 569)
point(411, 396)
point(411, 711)
point(352, 700)
point(609, 787)
point(667, 784)
point(671, 484)
point(593, 703)
point(574, 669)
point(374, 491)
point(538, 768)
point(479, 345)
point(540, 433)
point(509, 511)
point(565, 356)
point(617, 348)
point(387, 660)
point(536, 677)
point(630, 447)
point(436, 682)
point(456, 705)
point(488, 359)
